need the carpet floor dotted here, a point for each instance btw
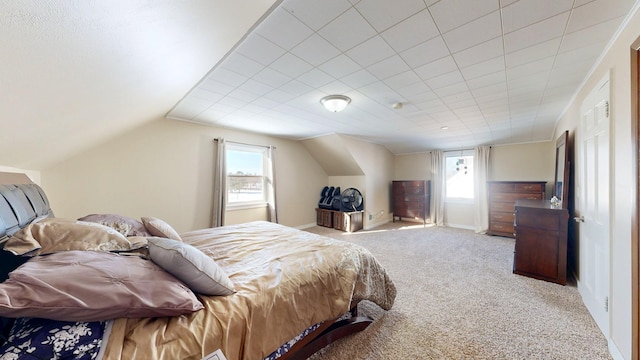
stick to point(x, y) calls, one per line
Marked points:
point(458, 299)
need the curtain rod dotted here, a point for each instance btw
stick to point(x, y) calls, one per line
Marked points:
point(458, 150)
point(247, 144)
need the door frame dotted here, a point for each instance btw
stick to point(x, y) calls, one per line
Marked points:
point(635, 235)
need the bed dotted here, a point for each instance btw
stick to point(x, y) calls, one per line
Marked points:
point(270, 291)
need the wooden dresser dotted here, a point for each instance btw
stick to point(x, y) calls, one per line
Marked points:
point(411, 199)
point(541, 240)
point(502, 197)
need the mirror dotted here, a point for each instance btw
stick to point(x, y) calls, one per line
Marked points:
point(561, 183)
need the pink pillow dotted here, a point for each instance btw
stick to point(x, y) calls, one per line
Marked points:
point(125, 225)
point(93, 286)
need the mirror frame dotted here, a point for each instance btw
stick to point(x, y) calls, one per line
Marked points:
point(563, 140)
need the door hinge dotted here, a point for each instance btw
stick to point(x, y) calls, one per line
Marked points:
point(602, 109)
point(606, 304)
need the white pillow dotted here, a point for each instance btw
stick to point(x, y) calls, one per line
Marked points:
point(191, 266)
point(160, 228)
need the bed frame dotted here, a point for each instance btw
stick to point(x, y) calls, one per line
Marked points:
point(327, 333)
point(22, 201)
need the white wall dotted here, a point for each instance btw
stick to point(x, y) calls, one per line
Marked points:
point(377, 164)
point(516, 162)
point(165, 169)
point(623, 184)
point(524, 162)
point(239, 216)
point(32, 174)
point(412, 167)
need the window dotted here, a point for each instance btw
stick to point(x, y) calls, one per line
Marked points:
point(459, 173)
point(245, 175)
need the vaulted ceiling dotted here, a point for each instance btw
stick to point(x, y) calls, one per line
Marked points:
point(77, 73)
point(74, 74)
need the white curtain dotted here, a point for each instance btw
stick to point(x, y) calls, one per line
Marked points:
point(270, 179)
point(438, 181)
point(219, 182)
point(481, 171)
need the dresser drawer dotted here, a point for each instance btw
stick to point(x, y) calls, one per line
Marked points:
point(502, 187)
point(512, 197)
point(409, 207)
point(502, 207)
point(548, 221)
point(409, 213)
point(502, 227)
point(408, 198)
point(506, 217)
point(412, 189)
point(529, 188)
point(502, 198)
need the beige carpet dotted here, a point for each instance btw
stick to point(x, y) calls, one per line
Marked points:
point(458, 299)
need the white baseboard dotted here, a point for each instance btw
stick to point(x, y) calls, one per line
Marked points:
point(373, 224)
point(614, 351)
point(305, 226)
point(460, 226)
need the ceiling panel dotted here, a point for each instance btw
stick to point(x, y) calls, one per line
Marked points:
point(371, 51)
point(483, 68)
point(284, 29)
point(437, 68)
point(537, 33)
point(315, 50)
point(455, 13)
point(260, 49)
point(481, 52)
point(420, 26)
point(388, 67)
point(476, 32)
point(536, 52)
point(596, 12)
point(425, 52)
point(494, 72)
point(524, 13)
point(316, 14)
point(348, 30)
point(383, 14)
point(291, 65)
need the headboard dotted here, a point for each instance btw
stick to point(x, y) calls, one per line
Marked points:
point(21, 202)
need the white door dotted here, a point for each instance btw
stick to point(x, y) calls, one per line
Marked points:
point(593, 142)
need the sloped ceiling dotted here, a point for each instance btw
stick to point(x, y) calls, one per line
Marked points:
point(76, 73)
point(332, 153)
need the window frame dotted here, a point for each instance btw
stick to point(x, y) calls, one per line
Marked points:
point(248, 204)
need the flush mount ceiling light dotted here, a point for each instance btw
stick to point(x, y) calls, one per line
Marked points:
point(335, 103)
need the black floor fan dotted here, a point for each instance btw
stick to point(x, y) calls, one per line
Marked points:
point(352, 200)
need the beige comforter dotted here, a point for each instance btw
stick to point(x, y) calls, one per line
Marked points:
point(286, 281)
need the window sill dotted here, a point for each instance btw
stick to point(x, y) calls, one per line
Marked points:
point(245, 206)
point(459, 201)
